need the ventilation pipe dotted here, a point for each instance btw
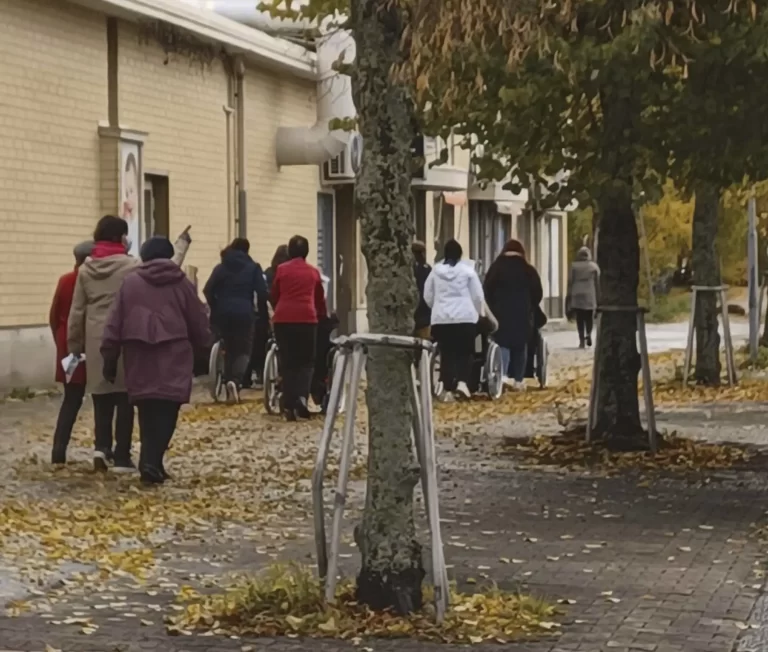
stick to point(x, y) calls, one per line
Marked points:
point(316, 144)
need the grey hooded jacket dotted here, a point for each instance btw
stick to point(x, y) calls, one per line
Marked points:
point(584, 282)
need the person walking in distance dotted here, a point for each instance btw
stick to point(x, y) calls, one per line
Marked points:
point(583, 293)
point(98, 282)
point(454, 293)
point(74, 388)
point(156, 325)
point(233, 287)
point(513, 292)
point(421, 271)
point(299, 300)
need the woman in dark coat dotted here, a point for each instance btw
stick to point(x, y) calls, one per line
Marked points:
point(156, 324)
point(230, 293)
point(513, 292)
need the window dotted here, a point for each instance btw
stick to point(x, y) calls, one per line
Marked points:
point(489, 231)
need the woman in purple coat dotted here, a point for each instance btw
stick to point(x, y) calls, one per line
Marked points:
point(157, 323)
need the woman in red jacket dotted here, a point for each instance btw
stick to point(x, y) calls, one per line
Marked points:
point(74, 390)
point(299, 301)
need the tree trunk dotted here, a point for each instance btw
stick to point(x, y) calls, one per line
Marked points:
point(706, 271)
point(618, 413)
point(392, 569)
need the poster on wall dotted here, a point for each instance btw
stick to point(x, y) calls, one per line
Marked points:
point(130, 192)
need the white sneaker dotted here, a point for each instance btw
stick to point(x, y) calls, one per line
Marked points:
point(508, 382)
point(519, 386)
point(233, 396)
point(462, 389)
point(447, 397)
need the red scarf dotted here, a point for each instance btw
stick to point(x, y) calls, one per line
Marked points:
point(104, 248)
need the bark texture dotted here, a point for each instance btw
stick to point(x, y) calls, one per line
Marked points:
point(618, 255)
point(392, 570)
point(618, 413)
point(706, 271)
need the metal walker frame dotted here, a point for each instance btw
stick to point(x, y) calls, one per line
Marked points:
point(650, 413)
point(353, 353)
point(727, 340)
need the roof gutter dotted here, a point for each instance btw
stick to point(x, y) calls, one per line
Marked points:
point(258, 47)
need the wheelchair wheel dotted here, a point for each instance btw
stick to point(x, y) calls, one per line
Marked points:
point(542, 358)
point(437, 384)
point(216, 371)
point(272, 382)
point(494, 371)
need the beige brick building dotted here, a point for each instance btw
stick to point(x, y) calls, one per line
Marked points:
point(77, 81)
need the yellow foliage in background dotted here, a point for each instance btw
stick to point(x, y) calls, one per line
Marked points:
point(668, 226)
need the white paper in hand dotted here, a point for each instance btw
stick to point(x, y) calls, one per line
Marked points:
point(70, 364)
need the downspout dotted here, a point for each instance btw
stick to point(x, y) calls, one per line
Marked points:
point(242, 194)
point(228, 111)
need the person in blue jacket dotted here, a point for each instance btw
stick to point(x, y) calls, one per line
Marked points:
point(231, 291)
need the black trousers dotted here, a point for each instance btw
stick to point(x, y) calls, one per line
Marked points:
point(109, 409)
point(457, 351)
point(237, 334)
point(157, 423)
point(70, 407)
point(297, 345)
point(584, 323)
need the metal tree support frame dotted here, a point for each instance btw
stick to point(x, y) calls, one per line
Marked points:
point(729, 361)
point(353, 353)
point(761, 293)
point(645, 366)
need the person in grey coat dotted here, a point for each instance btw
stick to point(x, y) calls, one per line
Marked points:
point(583, 292)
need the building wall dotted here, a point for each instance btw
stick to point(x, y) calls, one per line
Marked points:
point(281, 202)
point(53, 67)
point(53, 172)
point(180, 105)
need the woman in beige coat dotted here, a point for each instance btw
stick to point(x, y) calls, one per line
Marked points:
point(97, 285)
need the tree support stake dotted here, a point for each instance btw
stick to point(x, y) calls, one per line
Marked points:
point(729, 359)
point(353, 353)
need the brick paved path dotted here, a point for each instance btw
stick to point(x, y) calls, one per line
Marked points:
point(676, 557)
point(669, 567)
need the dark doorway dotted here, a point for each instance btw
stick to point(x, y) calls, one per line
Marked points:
point(156, 206)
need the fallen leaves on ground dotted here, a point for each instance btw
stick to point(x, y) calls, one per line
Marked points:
point(675, 453)
point(747, 390)
point(235, 471)
point(288, 600)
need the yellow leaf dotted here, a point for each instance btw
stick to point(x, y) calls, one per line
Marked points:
point(329, 626)
point(294, 621)
point(475, 639)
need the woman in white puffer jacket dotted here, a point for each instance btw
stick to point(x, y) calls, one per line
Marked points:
point(454, 293)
